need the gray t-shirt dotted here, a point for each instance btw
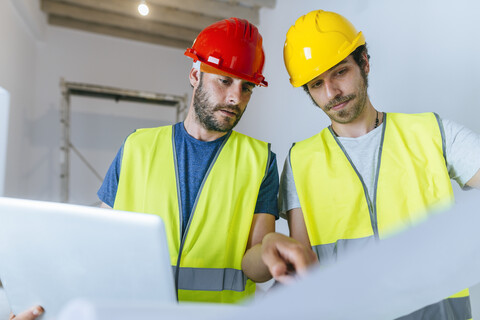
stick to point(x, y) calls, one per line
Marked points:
point(462, 147)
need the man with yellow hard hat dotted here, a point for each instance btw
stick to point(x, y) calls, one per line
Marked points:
point(215, 189)
point(369, 174)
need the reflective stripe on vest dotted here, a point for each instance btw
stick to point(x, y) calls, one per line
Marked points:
point(217, 233)
point(327, 253)
point(338, 213)
point(451, 309)
point(210, 279)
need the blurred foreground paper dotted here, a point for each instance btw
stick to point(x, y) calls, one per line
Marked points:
point(131, 310)
point(397, 276)
point(393, 278)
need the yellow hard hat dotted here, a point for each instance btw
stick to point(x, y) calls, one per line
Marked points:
point(316, 42)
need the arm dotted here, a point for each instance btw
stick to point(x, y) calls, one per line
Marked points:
point(284, 255)
point(252, 263)
point(474, 182)
point(462, 148)
point(263, 223)
point(297, 227)
point(108, 189)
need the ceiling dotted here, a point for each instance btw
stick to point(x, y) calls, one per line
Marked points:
point(173, 23)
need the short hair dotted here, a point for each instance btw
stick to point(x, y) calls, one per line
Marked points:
point(358, 56)
point(358, 53)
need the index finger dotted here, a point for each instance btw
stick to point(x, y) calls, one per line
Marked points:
point(29, 314)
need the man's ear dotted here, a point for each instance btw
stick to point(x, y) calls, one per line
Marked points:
point(366, 67)
point(194, 77)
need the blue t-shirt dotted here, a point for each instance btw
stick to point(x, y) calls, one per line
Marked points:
point(194, 158)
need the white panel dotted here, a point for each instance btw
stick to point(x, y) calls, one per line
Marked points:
point(4, 108)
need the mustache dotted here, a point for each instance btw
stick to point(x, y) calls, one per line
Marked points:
point(230, 108)
point(332, 103)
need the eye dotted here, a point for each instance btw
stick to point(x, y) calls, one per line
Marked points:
point(247, 88)
point(225, 81)
point(342, 71)
point(316, 84)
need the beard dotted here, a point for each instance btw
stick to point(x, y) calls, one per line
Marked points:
point(347, 115)
point(205, 112)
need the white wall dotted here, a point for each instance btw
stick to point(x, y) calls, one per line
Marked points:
point(35, 57)
point(17, 70)
point(83, 57)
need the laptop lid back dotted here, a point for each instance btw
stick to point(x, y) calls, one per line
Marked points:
point(51, 253)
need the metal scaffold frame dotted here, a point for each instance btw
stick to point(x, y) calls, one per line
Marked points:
point(90, 90)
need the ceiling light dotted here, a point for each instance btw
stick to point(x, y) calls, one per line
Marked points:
point(143, 8)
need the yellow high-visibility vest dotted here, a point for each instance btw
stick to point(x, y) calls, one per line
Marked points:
point(207, 258)
point(411, 180)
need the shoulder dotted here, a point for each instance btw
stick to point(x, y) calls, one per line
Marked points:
point(414, 123)
point(313, 140)
point(245, 139)
point(425, 116)
point(456, 133)
point(448, 127)
point(152, 131)
point(239, 135)
point(452, 126)
point(148, 133)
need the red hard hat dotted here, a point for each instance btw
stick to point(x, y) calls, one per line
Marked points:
point(233, 46)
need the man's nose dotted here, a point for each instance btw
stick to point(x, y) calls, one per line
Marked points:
point(234, 94)
point(332, 89)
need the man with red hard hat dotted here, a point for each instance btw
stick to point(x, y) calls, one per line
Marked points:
point(214, 188)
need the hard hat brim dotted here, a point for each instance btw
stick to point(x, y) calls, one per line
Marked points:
point(309, 76)
point(209, 69)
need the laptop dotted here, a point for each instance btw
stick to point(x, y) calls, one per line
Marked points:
point(52, 253)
